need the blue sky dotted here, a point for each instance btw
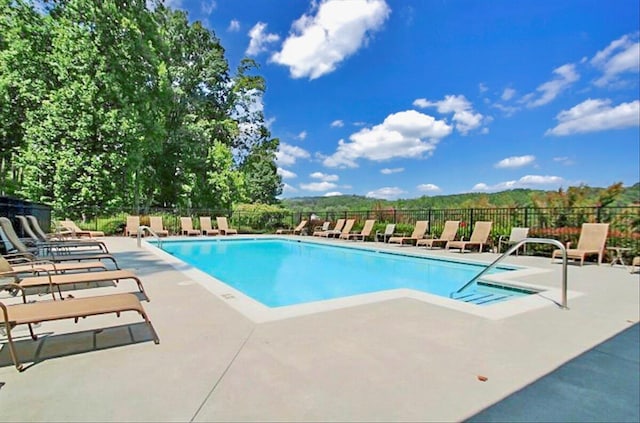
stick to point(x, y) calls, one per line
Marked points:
point(399, 98)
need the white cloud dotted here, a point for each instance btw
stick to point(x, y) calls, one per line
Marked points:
point(324, 177)
point(404, 134)
point(173, 4)
point(208, 6)
point(480, 187)
point(318, 43)
point(508, 94)
point(286, 174)
point(428, 188)
point(565, 76)
point(332, 194)
point(563, 160)
point(286, 188)
point(515, 161)
point(302, 135)
point(464, 116)
point(387, 193)
point(234, 25)
point(387, 171)
point(527, 181)
point(507, 110)
point(258, 39)
point(621, 56)
point(288, 154)
point(318, 186)
point(482, 87)
point(337, 124)
point(596, 115)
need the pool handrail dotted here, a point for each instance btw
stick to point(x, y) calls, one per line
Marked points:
point(143, 228)
point(513, 248)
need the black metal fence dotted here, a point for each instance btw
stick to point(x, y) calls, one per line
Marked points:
point(563, 224)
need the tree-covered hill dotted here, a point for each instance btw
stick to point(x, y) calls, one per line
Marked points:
point(615, 195)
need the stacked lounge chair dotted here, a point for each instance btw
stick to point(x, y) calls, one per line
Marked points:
point(16, 248)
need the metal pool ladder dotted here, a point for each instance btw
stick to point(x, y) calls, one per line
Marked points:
point(513, 248)
point(143, 228)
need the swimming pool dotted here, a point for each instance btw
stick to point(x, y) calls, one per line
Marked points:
point(279, 272)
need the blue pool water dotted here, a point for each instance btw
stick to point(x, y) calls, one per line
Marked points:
point(279, 272)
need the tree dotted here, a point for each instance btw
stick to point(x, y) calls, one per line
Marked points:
point(262, 182)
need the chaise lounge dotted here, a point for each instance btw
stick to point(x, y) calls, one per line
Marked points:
point(593, 237)
point(363, 234)
point(56, 280)
point(223, 226)
point(448, 234)
point(73, 308)
point(206, 228)
point(479, 238)
point(186, 227)
point(16, 248)
point(296, 231)
point(70, 225)
point(418, 233)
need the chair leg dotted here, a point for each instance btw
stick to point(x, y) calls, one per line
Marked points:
point(12, 348)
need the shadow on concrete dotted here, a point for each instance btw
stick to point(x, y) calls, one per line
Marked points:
point(600, 385)
point(49, 346)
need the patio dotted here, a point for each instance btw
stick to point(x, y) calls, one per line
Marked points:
point(395, 360)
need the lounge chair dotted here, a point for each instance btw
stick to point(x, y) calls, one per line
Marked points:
point(39, 266)
point(418, 233)
point(517, 235)
point(296, 231)
point(43, 242)
point(337, 229)
point(74, 308)
point(363, 234)
point(35, 225)
point(186, 227)
point(448, 234)
point(16, 248)
point(322, 228)
point(346, 230)
point(205, 226)
point(223, 226)
point(133, 224)
point(593, 237)
point(155, 223)
point(77, 232)
point(635, 263)
point(388, 233)
point(479, 238)
point(53, 280)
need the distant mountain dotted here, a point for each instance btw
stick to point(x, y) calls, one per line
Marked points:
point(510, 198)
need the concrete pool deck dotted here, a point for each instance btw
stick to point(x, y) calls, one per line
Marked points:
point(400, 359)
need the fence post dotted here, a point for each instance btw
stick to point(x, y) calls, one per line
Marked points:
point(395, 220)
point(598, 208)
